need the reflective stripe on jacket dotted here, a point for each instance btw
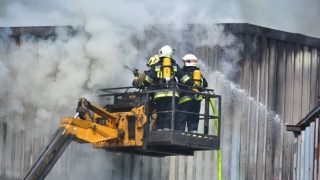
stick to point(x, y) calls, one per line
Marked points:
point(165, 94)
point(190, 96)
point(184, 99)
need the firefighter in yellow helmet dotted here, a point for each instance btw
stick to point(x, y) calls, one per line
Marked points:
point(138, 78)
point(190, 102)
point(163, 99)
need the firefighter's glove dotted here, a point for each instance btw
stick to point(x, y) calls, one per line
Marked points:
point(141, 87)
point(200, 89)
point(135, 72)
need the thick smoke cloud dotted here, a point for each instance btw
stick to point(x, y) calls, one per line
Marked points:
point(93, 57)
point(288, 15)
point(43, 78)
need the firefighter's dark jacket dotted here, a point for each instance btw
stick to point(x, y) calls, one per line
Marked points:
point(188, 70)
point(184, 97)
point(153, 76)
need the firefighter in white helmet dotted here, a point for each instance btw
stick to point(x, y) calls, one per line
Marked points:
point(156, 76)
point(189, 102)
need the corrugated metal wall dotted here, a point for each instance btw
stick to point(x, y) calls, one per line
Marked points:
point(276, 82)
point(305, 164)
point(306, 146)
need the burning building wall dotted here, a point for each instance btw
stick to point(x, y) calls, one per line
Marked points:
point(266, 78)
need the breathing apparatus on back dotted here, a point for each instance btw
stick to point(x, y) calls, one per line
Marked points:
point(166, 69)
point(165, 54)
point(196, 79)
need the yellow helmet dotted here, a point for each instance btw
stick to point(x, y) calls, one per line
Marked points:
point(153, 59)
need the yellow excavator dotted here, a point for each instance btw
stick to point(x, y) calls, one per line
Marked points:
point(124, 125)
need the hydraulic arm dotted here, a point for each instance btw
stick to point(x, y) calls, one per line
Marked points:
point(124, 127)
point(84, 128)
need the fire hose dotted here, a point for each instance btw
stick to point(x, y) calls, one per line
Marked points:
point(215, 113)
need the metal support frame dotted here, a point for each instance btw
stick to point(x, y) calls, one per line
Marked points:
point(175, 142)
point(206, 118)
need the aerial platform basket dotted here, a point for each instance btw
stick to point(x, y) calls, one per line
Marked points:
point(164, 143)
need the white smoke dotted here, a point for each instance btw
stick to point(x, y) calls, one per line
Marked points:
point(94, 56)
point(51, 74)
point(287, 15)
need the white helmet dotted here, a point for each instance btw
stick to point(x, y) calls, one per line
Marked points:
point(190, 60)
point(166, 51)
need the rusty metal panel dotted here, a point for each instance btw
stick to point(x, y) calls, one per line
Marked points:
point(254, 109)
point(230, 144)
point(304, 155)
point(313, 78)
point(315, 150)
point(306, 67)
point(287, 164)
point(272, 34)
point(262, 118)
point(218, 86)
point(307, 154)
point(186, 164)
point(280, 98)
point(301, 158)
point(144, 164)
point(311, 149)
point(2, 144)
point(198, 160)
point(280, 79)
point(297, 84)
point(245, 84)
point(12, 145)
point(3, 49)
point(207, 158)
point(44, 31)
point(271, 160)
point(295, 158)
point(318, 71)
